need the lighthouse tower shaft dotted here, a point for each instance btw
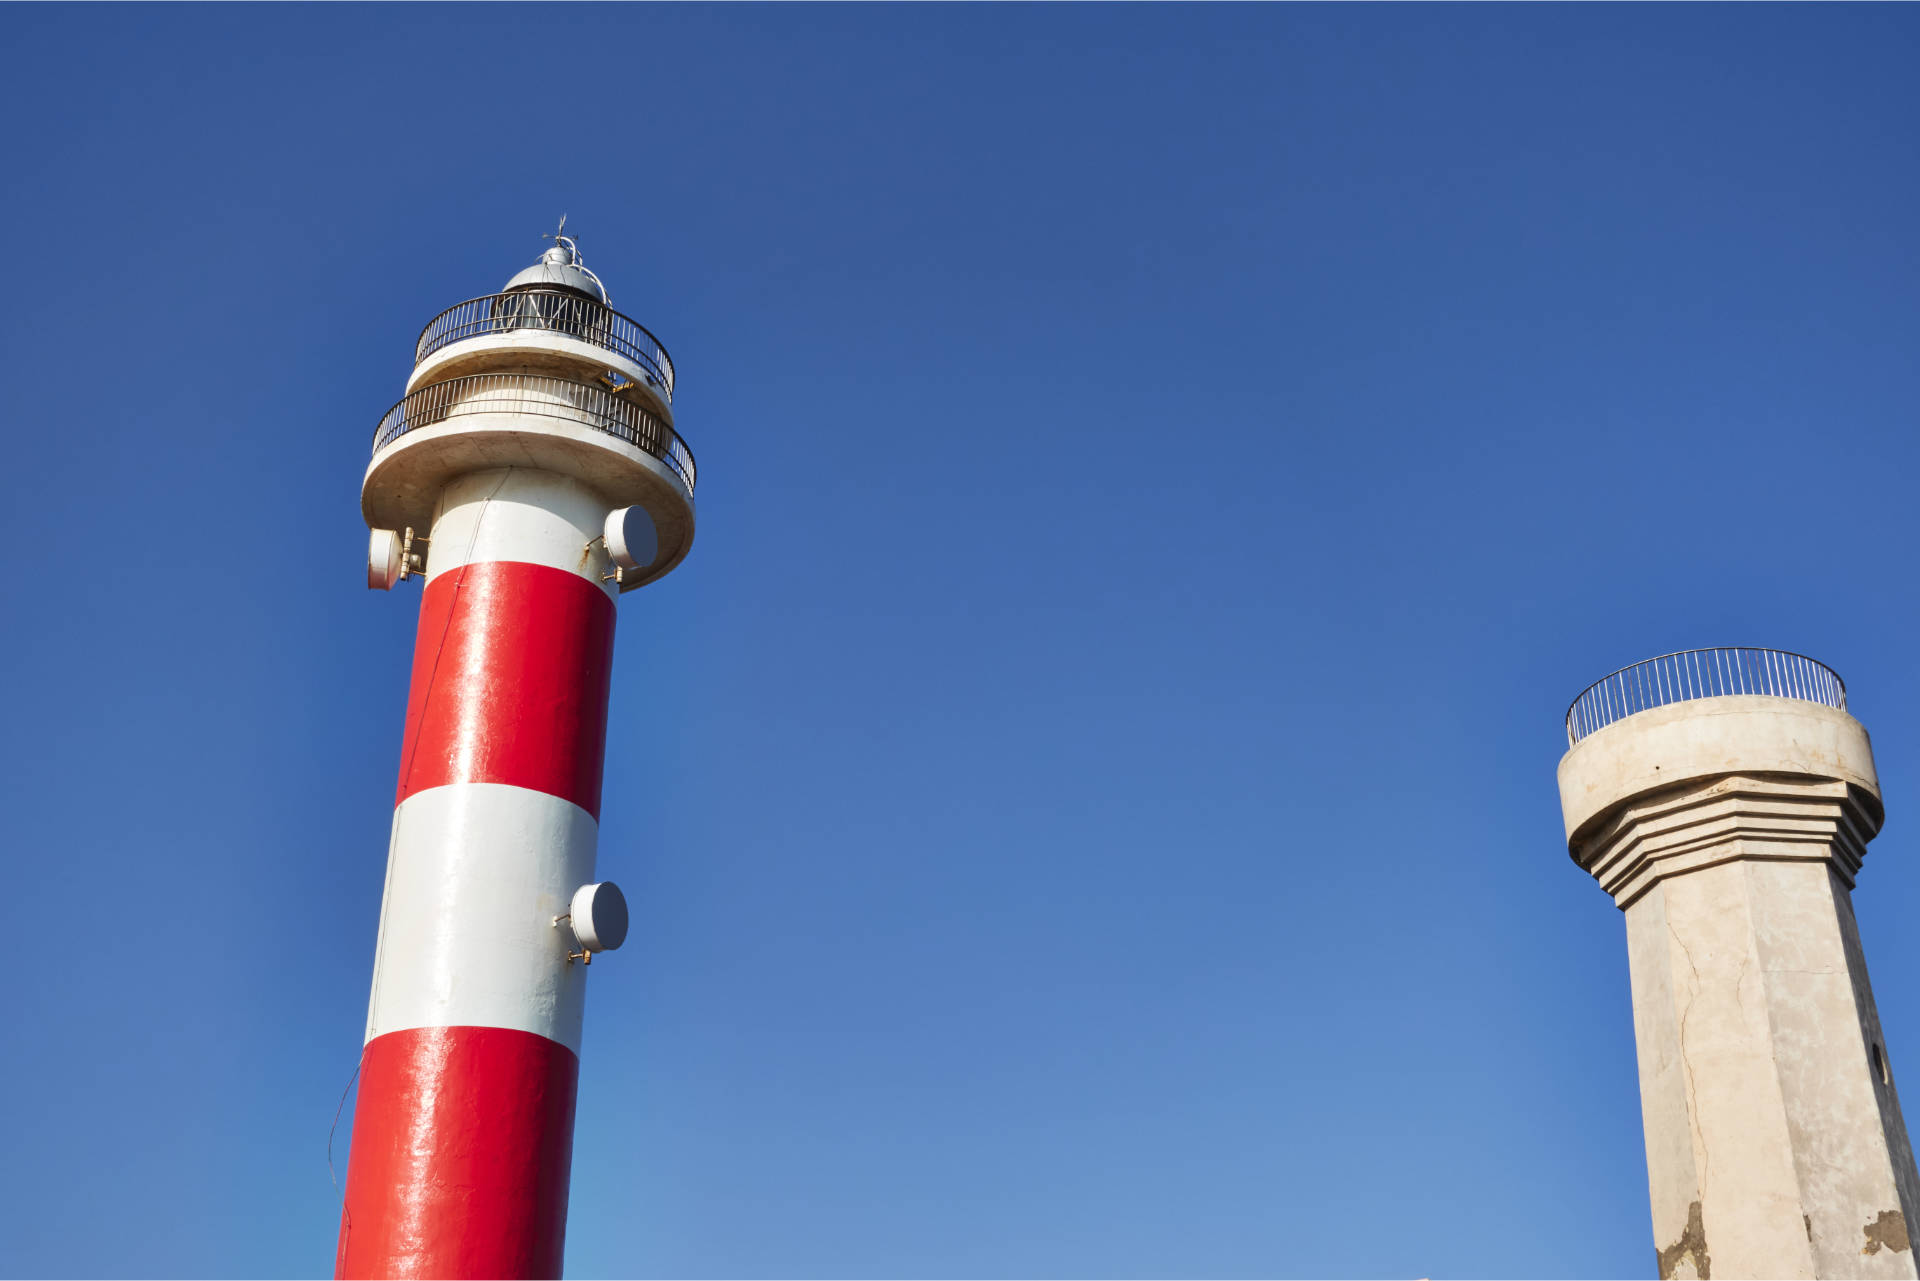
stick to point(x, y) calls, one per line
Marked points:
point(1729, 828)
point(532, 416)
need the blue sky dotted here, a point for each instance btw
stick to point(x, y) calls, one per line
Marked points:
point(1088, 799)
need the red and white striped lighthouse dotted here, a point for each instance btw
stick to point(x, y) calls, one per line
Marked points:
point(529, 476)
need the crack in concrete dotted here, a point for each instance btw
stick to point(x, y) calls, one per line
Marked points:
point(1686, 1066)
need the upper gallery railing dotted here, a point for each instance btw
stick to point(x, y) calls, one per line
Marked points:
point(1702, 673)
point(557, 311)
point(544, 397)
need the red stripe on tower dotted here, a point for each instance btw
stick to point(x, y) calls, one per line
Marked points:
point(471, 1128)
point(511, 668)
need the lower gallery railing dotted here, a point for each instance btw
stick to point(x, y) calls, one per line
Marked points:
point(544, 397)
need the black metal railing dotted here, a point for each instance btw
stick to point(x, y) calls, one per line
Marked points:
point(556, 311)
point(1702, 673)
point(543, 397)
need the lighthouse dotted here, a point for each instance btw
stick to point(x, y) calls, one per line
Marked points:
point(529, 477)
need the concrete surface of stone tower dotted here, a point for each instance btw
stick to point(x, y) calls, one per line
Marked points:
point(1725, 799)
point(529, 476)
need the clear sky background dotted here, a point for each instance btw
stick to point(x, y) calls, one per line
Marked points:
point(1088, 799)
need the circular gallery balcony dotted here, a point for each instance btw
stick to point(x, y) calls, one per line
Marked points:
point(1688, 760)
point(609, 435)
point(558, 329)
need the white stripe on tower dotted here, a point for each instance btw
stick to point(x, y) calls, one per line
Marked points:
point(512, 513)
point(478, 874)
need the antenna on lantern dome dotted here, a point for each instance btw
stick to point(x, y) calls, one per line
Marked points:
point(561, 267)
